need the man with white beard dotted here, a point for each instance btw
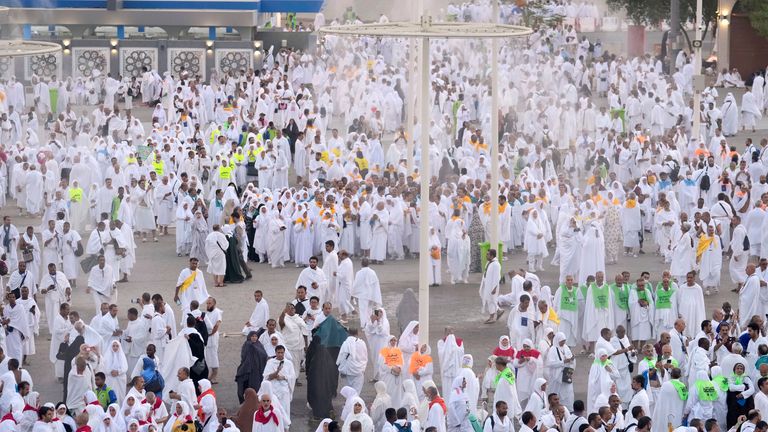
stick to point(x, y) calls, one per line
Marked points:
point(352, 360)
point(367, 291)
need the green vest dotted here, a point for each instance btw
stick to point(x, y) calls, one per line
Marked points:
point(721, 382)
point(621, 295)
point(102, 395)
point(682, 391)
point(225, 172)
point(158, 167)
point(642, 295)
point(706, 391)
point(600, 295)
point(507, 374)
point(664, 297)
point(76, 194)
point(568, 299)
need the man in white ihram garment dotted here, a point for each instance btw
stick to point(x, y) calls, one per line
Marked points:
point(737, 265)
point(345, 275)
point(352, 360)
point(260, 314)
point(379, 223)
point(753, 297)
point(101, 284)
point(367, 291)
point(280, 373)
point(313, 279)
point(489, 287)
point(56, 289)
point(190, 286)
point(215, 248)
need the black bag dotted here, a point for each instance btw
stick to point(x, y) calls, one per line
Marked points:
point(746, 243)
point(89, 262)
point(407, 426)
point(705, 182)
point(199, 367)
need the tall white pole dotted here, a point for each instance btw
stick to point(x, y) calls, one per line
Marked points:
point(493, 141)
point(410, 97)
point(425, 175)
point(696, 132)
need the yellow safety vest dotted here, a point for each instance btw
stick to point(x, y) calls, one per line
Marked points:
point(251, 156)
point(225, 172)
point(132, 160)
point(240, 157)
point(75, 194)
point(362, 164)
point(159, 167)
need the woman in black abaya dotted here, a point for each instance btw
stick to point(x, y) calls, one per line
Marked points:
point(253, 360)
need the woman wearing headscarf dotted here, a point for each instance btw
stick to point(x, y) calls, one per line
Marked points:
point(613, 230)
point(409, 342)
point(62, 414)
point(323, 426)
point(410, 398)
point(358, 414)
point(505, 348)
point(115, 367)
point(117, 421)
point(527, 362)
point(391, 369)
point(420, 366)
point(133, 424)
point(739, 399)
point(538, 403)
point(602, 374)
point(244, 417)
point(535, 243)
point(253, 360)
point(199, 231)
point(180, 414)
point(380, 404)
point(435, 262)
point(207, 412)
point(302, 235)
point(560, 357)
point(457, 417)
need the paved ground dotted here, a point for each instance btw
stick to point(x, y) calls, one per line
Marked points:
point(157, 269)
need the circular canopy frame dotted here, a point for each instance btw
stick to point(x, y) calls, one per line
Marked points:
point(23, 48)
point(441, 30)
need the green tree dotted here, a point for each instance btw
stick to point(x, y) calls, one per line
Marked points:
point(757, 11)
point(653, 12)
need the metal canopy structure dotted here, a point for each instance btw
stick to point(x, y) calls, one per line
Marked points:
point(428, 29)
point(424, 31)
point(22, 48)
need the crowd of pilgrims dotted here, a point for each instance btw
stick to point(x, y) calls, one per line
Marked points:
point(597, 162)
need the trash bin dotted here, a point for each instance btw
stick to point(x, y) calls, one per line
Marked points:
point(484, 248)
